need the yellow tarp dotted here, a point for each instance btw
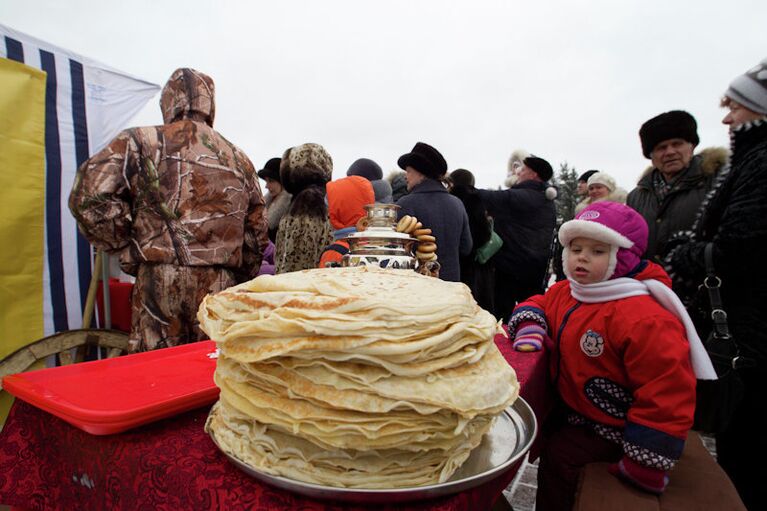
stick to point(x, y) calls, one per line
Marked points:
point(22, 206)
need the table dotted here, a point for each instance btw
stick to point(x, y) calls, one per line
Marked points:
point(172, 464)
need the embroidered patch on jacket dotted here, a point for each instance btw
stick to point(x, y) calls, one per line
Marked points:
point(592, 344)
point(611, 398)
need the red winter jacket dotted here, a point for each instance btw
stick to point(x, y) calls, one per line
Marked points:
point(624, 364)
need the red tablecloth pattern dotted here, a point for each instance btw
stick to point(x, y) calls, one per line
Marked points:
point(172, 464)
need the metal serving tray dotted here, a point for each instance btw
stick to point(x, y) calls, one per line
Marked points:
point(508, 440)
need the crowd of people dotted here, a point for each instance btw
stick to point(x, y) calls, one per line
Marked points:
point(184, 209)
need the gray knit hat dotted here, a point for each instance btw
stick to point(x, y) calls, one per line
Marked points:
point(750, 88)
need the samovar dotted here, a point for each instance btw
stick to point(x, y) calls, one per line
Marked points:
point(379, 244)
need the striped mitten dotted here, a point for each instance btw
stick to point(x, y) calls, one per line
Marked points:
point(529, 337)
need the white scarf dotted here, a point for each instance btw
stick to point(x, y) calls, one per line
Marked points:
point(625, 287)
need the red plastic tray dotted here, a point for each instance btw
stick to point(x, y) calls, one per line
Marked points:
point(110, 396)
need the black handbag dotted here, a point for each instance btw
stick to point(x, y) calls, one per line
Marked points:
point(717, 400)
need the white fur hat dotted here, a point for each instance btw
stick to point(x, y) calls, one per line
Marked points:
point(603, 179)
point(517, 156)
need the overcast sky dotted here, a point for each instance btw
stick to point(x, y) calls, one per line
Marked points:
point(569, 81)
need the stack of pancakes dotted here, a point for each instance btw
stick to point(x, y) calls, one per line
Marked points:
point(354, 377)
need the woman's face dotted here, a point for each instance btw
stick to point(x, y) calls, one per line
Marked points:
point(273, 186)
point(598, 191)
point(738, 114)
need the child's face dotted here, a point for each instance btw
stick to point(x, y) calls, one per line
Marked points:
point(587, 260)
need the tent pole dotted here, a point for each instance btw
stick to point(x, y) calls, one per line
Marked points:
point(91, 297)
point(107, 296)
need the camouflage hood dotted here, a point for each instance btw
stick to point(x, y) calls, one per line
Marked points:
point(188, 92)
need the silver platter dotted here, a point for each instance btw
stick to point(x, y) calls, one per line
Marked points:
point(508, 440)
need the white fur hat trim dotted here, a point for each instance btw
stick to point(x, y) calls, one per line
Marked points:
point(594, 230)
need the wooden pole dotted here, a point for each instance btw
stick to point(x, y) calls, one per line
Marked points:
point(91, 298)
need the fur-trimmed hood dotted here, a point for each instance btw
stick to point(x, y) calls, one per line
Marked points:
point(713, 159)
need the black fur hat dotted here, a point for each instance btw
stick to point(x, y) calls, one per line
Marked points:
point(425, 159)
point(586, 175)
point(271, 170)
point(668, 125)
point(540, 167)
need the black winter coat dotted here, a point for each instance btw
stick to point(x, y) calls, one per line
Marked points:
point(436, 209)
point(678, 208)
point(479, 277)
point(734, 218)
point(525, 221)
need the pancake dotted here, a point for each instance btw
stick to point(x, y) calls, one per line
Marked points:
point(354, 377)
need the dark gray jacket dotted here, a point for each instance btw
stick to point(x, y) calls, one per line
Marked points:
point(444, 214)
point(676, 212)
point(525, 220)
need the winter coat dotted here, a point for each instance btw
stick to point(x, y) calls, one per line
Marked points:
point(525, 220)
point(276, 207)
point(300, 242)
point(178, 194)
point(347, 198)
point(479, 277)
point(444, 214)
point(678, 208)
point(267, 263)
point(305, 230)
point(623, 367)
point(734, 218)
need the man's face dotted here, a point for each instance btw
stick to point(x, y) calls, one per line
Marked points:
point(412, 177)
point(583, 188)
point(738, 114)
point(672, 156)
point(525, 173)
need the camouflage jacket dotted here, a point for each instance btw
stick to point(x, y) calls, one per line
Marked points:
point(178, 193)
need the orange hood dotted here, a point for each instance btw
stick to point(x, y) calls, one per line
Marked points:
point(347, 198)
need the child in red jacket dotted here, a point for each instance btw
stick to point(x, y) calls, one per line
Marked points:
point(624, 357)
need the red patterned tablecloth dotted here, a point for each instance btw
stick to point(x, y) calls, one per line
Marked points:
point(172, 464)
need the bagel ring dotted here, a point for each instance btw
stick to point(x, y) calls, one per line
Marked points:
point(427, 248)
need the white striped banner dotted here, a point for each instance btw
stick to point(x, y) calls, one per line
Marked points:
point(86, 105)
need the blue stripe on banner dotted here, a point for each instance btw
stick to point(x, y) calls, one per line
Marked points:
point(53, 194)
point(14, 49)
point(80, 123)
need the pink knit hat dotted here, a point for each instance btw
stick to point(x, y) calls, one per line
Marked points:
point(615, 224)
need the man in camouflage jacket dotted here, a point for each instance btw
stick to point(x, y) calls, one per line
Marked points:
point(183, 207)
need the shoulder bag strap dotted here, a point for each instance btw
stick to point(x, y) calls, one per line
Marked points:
point(712, 284)
point(721, 330)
